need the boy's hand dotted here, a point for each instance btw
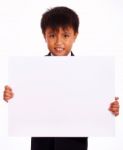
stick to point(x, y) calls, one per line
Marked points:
point(8, 94)
point(114, 107)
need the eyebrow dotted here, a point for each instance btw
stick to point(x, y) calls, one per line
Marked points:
point(54, 31)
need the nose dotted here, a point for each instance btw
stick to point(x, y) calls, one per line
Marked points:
point(59, 40)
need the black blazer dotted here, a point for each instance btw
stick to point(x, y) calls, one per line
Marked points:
point(59, 143)
point(49, 54)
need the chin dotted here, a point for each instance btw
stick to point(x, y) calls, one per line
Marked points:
point(60, 54)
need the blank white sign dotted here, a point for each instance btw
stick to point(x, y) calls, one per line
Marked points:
point(61, 96)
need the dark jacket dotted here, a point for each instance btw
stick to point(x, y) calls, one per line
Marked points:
point(49, 54)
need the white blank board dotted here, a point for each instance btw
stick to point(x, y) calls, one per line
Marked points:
point(61, 96)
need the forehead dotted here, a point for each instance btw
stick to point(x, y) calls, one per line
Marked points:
point(59, 29)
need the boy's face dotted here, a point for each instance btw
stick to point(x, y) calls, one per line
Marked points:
point(59, 42)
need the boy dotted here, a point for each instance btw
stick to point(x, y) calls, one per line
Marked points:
point(60, 29)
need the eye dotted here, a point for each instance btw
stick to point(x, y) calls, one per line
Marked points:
point(52, 35)
point(66, 35)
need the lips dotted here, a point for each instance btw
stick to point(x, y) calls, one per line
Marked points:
point(59, 49)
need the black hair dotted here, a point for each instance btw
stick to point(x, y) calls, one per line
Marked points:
point(59, 17)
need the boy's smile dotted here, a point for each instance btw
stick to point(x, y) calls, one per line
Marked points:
point(60, 41)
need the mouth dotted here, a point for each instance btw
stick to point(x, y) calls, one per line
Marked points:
point(59, 49)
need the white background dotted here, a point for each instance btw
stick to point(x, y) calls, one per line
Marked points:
point(101, 32)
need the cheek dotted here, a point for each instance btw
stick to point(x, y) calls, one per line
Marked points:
point(49, 42)
point(50, 45)
point(69, 43)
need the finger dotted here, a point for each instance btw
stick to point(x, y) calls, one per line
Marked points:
point(114, 109)
point(6, 98)
point(116, 98)
point(115, 106)
point(115, 103)
point(8, 94)
point(8, 88)
point(116, 113)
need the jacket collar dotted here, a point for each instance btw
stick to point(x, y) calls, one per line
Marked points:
point(49, 54)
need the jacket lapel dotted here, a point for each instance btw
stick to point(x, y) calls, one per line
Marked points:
point(49, 54)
